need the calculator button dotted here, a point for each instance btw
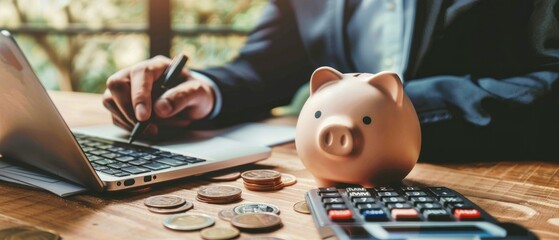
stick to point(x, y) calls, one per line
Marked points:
point(454, 206)
point(383, 189)
point(335, 206)
point(467, 214)
point(393, 199)
point(332, 200)
point(416, 194)
point(375, 215)
point(410, 188)
point(358, 194)
point(330, 195)
point(398, 205)
point(340, 215)
point(325, 190)
point(423, 206)
point(355, 189)
point(388, 194)
point(442, 192)
point(436, 215)
point(448, 200)
point(422, 199)
point(363, 200)
point(405, 214)
point(367, 206)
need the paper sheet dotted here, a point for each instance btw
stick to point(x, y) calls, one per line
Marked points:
point(20, 175)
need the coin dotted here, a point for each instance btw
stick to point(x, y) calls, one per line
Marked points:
point(164, 201)
point(225, 177)
point(226, 214)
point(187, 206)
point(5, 233)
point(219, 233)
point(219, 192)
point(288, 179)
point(261, 176)
point(256, 221)
point(35, 235)
point(188, 221)
point(301, 207)
point(263, 187)
point(255, 207)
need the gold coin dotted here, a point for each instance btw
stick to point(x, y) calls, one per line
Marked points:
point(225, 177)
point(256, 221)
point(5, 233)
point(164, 201)
point(219, 192)
point(219, 233)
point(217, 201)
point(301, 207)
point(34, 235)
point(256, 187)
point(226, 214)
point(187, 206)
point(188, 221)
point(288, 179)
point(261, 175)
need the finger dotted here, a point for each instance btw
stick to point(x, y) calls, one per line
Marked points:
point(119, 123)
point(109, 104)
point(118, 86)
point(142, 78)
point(152, 130)
point(190, 94)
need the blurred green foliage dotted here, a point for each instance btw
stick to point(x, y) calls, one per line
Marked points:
point(80, 61)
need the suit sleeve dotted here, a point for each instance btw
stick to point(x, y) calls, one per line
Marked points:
point(269, 69)
point(535, 76)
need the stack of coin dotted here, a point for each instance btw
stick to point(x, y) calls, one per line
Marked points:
point(266, 180)
point(27, 233)
point(219, 194)
point(167, 204)
point(261, 221)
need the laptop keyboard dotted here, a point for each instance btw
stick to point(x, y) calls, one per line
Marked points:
point(122, 159)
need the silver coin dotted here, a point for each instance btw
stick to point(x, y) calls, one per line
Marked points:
point(188, 221)
point(255, 208)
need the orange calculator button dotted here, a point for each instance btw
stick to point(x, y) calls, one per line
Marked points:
point(340, 215)
point(467, 214)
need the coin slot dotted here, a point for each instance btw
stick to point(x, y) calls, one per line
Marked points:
point(147, 179)
point(129, 182)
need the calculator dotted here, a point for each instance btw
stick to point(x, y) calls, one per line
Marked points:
point(404, 212)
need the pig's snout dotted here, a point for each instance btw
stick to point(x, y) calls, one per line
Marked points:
point(336, 139)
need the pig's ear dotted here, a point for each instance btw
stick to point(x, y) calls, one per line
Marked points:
point(390, 84)
point(323, 75)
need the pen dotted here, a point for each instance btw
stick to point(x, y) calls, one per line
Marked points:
point(169, 79)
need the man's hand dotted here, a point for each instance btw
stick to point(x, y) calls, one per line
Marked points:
point(128, 97)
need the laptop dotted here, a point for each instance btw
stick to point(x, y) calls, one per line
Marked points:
point(33, 132)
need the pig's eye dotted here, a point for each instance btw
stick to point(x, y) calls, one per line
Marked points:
point(367, 120)
point(317, 114)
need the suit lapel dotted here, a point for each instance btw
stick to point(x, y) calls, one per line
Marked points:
point(427, 14)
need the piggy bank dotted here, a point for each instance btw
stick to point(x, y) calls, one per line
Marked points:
point(357, 128)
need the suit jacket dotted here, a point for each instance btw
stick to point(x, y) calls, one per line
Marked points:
point(482, 74)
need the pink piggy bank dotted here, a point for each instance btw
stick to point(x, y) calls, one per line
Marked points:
point(357, 129)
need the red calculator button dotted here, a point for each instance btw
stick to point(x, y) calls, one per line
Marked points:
point(467, 214)
point(405, 214)
point(340, 215)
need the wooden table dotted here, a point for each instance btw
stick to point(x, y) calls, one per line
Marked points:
point(523, 192)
